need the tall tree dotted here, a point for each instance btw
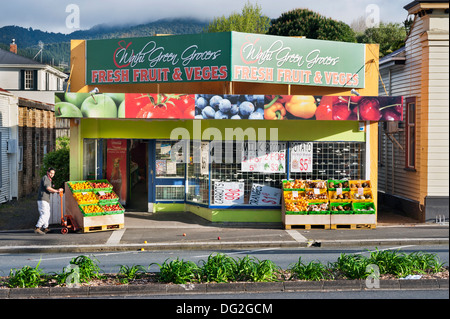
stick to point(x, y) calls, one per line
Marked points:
point(390, 37)
point(250, 20)
point(307, 23)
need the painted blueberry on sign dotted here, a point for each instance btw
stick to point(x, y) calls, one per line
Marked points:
point(209, 106)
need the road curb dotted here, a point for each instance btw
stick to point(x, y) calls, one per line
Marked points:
point(203, 288)
point(219, 245)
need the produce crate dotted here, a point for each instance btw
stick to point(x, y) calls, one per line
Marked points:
point(119, 210)
point(90, 223)
point(318, 195)
point(296, 213)
point(107, 187)
point(296, 184)
point(334, 183)
point(87, 187)
point(293, 195)
point(317, 183)
point(84, 209)
point(354, 184)
point(323, 208)
point(356, 198)
point(83, 198)
point(348, 208)
point(363, 208)
point(113, 200)
point(332, 195)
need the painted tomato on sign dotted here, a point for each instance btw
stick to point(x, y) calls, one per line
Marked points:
point(159, 106)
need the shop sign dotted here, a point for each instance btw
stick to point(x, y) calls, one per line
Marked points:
point(264, 195)
point(229, 107)
point(287, 60)
point(263, 157)
point(301, 157)
point(159, 59)
point(228, 193)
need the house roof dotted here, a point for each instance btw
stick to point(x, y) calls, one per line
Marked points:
point(7, 57)
point(394, 58)
point(424, 4)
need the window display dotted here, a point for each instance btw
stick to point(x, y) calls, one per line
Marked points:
point(252, 178)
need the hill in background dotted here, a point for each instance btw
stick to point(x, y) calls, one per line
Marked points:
point(57, 45)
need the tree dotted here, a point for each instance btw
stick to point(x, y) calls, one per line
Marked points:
point(250, 20)
point(307, 23)
point(390, 37)
point(59, 160)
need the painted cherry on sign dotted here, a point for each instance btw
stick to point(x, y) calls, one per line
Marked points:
point(369, 109)
point(325, 109)
point(341, 112)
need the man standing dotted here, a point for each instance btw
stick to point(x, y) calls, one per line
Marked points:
point(43, 201)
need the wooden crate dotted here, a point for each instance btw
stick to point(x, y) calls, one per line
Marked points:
point(92, 223)
point(304, 221)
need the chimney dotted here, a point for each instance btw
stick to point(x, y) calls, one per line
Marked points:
point(13, 46)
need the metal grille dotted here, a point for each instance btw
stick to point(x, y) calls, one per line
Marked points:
point(231, 172)
point(169, 192)
point(336, 160)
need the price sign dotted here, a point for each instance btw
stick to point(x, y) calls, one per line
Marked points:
point(228, 193)
point(264, 157)
point(264, 195)
point(301, 157)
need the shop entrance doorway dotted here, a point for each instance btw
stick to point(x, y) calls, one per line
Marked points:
point(138, 175)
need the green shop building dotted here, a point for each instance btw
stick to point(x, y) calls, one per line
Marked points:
point(213, 123)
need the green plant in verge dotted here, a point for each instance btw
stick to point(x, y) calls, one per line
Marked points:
point(178, 271)
point(127, 273)
point(311, 271)
point(26, 277)
point(219, 268)
point(252, 269)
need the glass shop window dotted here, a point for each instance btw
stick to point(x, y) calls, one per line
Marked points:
point(198, 172)
point(165, 166)
point(247, 173)
point(89, 158)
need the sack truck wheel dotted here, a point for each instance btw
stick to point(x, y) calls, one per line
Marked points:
point(64, 230)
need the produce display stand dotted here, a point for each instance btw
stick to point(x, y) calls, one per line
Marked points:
point(96, 222)
point(349, 207)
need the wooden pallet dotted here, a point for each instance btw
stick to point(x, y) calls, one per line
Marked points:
point(308, 226)
point(353, 226)
point(101, 228)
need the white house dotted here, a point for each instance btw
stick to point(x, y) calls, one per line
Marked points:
point(27, 78)
point(8, 146)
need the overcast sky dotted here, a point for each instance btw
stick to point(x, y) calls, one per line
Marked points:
point(64, 15)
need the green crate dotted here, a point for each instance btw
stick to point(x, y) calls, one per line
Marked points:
point(336, 182)
point(296, 213)
point(341, 212)
point(90, 189)
point(320, 212)
point(362, 208)
point(106, 201)
point(89, 214)
point(120, 211)
point(109, 188)
point(290, 189)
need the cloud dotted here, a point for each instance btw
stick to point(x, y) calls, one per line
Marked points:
point(51, 15)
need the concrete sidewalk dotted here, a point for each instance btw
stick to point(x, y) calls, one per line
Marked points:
point(174, 231)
